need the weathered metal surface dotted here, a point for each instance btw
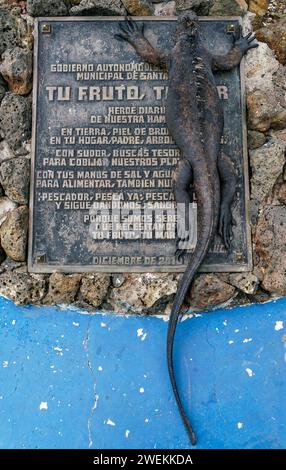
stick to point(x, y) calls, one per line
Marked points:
point(101, 142)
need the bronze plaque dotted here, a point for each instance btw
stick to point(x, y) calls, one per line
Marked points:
point(101, 192)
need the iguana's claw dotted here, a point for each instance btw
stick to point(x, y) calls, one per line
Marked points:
point(134, 26)
point(244, 42)
point(225, 231)
point(120, 37)
point(179, 253)
point(130, 30)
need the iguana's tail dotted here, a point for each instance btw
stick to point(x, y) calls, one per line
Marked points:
point(206, 222)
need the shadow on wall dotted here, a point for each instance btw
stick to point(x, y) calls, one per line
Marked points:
point(70, 380)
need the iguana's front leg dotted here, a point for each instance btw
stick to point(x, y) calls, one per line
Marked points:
point(233, 57)
point(134, 34)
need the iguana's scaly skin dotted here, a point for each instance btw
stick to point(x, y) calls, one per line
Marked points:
point(194, 117)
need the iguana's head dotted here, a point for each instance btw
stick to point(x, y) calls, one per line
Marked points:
point(188, 23)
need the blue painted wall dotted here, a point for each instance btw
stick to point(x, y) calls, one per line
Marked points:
point(70, 380)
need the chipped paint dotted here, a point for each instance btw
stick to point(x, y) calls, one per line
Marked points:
point(185, 317)
point(279, 325)
point(43, 405)
point(249, 372)
point(141, 334)
point(109, 422)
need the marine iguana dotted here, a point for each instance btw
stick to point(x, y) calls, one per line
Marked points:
point(194, 118)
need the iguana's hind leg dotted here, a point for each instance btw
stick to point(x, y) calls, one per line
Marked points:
point(228, 187)
point(182, 181)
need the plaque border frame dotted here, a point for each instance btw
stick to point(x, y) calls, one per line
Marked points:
point(207, 268)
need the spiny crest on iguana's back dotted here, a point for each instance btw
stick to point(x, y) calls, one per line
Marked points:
point(199, 83)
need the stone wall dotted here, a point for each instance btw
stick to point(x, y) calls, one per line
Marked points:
point(147, 293)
